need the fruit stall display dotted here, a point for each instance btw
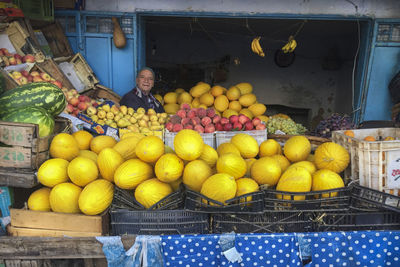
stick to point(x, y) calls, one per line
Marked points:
point(10, 59)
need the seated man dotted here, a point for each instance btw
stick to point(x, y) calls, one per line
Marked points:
point(140, 96)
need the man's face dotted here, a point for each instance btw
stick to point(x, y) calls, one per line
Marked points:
point(145, 81)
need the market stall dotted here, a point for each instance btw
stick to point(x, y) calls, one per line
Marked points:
point(214, 180)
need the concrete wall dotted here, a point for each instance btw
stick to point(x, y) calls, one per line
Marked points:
point(370, 8)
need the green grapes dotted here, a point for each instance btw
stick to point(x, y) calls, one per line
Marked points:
point(288, 126)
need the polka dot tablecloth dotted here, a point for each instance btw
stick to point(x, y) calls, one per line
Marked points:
point(363, 248)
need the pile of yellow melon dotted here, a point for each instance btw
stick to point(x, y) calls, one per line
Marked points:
point(237, 99)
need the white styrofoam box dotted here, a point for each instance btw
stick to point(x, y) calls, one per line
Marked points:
point(208, 138)
point(224, 136)
point(374, 164)
point(69, 71)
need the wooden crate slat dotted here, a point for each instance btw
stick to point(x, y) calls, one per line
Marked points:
point(18, 134)
point(16, 178)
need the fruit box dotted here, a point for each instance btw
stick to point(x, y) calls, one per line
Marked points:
point(49, 66)
point(30, 68)
point(84, 71)
point(40, 223)
point(374, 164)
point(21, 40)
point(23, 151)
point(208, 138)
point(226, 136)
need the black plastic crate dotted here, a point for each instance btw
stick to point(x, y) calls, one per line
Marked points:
point(365, 198)
point(248, 203)
point(160, 222)
point(125, 199)
point(332, 200)
point(357, 221)
point(268, 222)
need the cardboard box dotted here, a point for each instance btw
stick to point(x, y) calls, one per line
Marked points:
point(39, 223)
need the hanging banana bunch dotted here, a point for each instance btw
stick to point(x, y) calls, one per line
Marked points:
point(256, 47)
point(290, 46)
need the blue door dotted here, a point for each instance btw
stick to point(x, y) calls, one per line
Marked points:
point(384, 63)
point(115, 68)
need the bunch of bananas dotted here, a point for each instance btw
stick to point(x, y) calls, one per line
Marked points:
point(256, 47)
point(290, 46)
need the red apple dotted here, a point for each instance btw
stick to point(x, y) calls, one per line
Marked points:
point(37, 79)
point(87, 99)
point(4, 51)
point(205, 121)
point(228, 127)
point(70, 108)
point(25, 73)
point(18, 61)
point(17, 56)
point(81, 98)
point(74, 92)
point(45, 76)
point(23, 80)
point(256, 121)
point(237, 126)
point(219, 127)
point(82, 106)
point(224, 120)
point(1, 53)
point(260, 126)
point(199, 128)
point(74, 101)
point(243, 119)
point(57, 83)
point(249, 126)
point(233, 119)
point(209, 128)
point(169, 126)
point(28, 58)
point(35, 73)
point(12, 61)
point(75, 112)
point(216, 119)
point(30, 78)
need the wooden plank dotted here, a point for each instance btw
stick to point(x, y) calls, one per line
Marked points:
point(18, 134)
point(57, 40)
point(18, 178)
point(58, 221)
point(54, 247)
point(19, 231)
point(18, 157)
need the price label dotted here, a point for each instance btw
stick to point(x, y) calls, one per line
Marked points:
point(393, 169)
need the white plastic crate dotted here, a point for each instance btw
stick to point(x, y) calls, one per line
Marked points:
point(224, 136)
point(374, 164)
point(208, 138)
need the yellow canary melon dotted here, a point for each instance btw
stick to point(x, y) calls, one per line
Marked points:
point(217, 90)
point(297, 148)
point(229, 112)
point(82, 171)
point(219, 187)
point(257, 109)
point(246, 186)
point(308, 165)
point(96, 197)
point(249, 163)
point(171, 108)
point(195, 173)
point(176, 184)
point(39, 200)
point(233, 93)
point(64, 146)
point(131, 173)
point(108, 161)
point(247, 145)
point(247, 100)
point(247, 112)
point(209, 155)
point(151, 191)
point(88, 154)
point(188, 144)
point(325, 180)
point(64, 198)
point(245, 88)
point(235, 105)
point(169, 168)
point(297, 179)
point(282, 160)
point(221, 103)
point(100, 142)
point(331, 156)
point(199, 89)
point(269, 148)
point(266, 171)
point(232, 164)
point(226, 148)
point(53, 172)
point(195, 102)
point(207, 99)
point(83, 139)
point(171, 98)
point(127, 146)
point(185, 97)
point(179, 90)
point(150, 148)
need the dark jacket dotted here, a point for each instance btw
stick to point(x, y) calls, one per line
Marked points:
point(136, 99)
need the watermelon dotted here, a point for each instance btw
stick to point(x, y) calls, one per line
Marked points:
point(35, 115)
point(42, 94)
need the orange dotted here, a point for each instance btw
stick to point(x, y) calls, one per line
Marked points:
point(83, 139)
point(369, 138)
point(349, 133)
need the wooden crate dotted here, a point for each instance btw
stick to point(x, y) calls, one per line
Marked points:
point(100, 91)
point(84, 71)
point(54, 71)
point(24, 148)
point(57, 40)
point(21, 40)
point(39, 223)
point(9, 82)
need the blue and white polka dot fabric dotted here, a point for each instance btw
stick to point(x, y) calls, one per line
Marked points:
point(364, 248)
